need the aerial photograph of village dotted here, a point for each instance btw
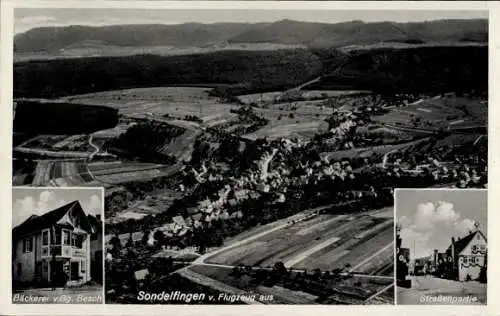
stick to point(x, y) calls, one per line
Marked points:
point(250, 156)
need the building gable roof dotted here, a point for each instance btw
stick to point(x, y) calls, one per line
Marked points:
point(35, 223)
point(462, 243)
point(95, 222)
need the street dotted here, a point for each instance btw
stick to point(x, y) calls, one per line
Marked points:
point(432, 290)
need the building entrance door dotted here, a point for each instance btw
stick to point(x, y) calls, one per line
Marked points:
point(38, 271)
point(75, 269)
point(57, 273)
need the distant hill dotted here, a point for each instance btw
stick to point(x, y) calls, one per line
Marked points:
point(51, 39)
point(361, 33)
point(55, 39)
point(387, 69)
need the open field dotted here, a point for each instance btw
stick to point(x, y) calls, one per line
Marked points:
point(176, 255)
point(43, 141)
point(154, 203)
point(301, 110)
point(301, 119)
point(474, 141)
point(370, 151)
point(282, 296)
point(137, 175)
point(323, 242)
point(387, 134)
point(114, 167)
point(113, 132)
point(437, 113)
point(292, 128)
point(293, 95)
point(222, 287)
point(111, 50)
point(381, 264)
point(78, 173)
point(348, 289)
point(62, 143)
point(182, 146)
point(177, 102)
point(56, 172)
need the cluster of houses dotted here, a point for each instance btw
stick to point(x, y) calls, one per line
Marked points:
point(459, 172)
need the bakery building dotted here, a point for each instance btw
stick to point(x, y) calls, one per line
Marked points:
point(56, 247)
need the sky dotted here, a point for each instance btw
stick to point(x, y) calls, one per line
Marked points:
point(28, 18)
point(29, 201)
point(430, 218)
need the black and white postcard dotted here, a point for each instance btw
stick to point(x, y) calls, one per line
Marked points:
point(247, 155)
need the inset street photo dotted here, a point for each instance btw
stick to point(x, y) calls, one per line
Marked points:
point(441, 246)
point(57, 245)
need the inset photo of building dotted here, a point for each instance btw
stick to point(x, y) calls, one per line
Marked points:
point(441, 246)
point(57, 245)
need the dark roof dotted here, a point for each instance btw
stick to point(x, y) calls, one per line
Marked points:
point(95, 223)
point(34, 223)
point(463, 242)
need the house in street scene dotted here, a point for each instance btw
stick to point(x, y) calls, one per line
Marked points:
point(54, 247)
point(468, 255)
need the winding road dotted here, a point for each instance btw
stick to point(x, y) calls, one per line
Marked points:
point(96, 149)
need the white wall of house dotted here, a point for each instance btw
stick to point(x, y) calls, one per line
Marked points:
point(24, 262)
point(95, 246)
point(472, 258)
point(38, 246)
point(86, 246)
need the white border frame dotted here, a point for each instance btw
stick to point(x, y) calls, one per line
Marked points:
point(6, 67)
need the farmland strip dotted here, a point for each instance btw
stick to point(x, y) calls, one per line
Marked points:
point(303, 255)
point(389, 245)
point(214, 284)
